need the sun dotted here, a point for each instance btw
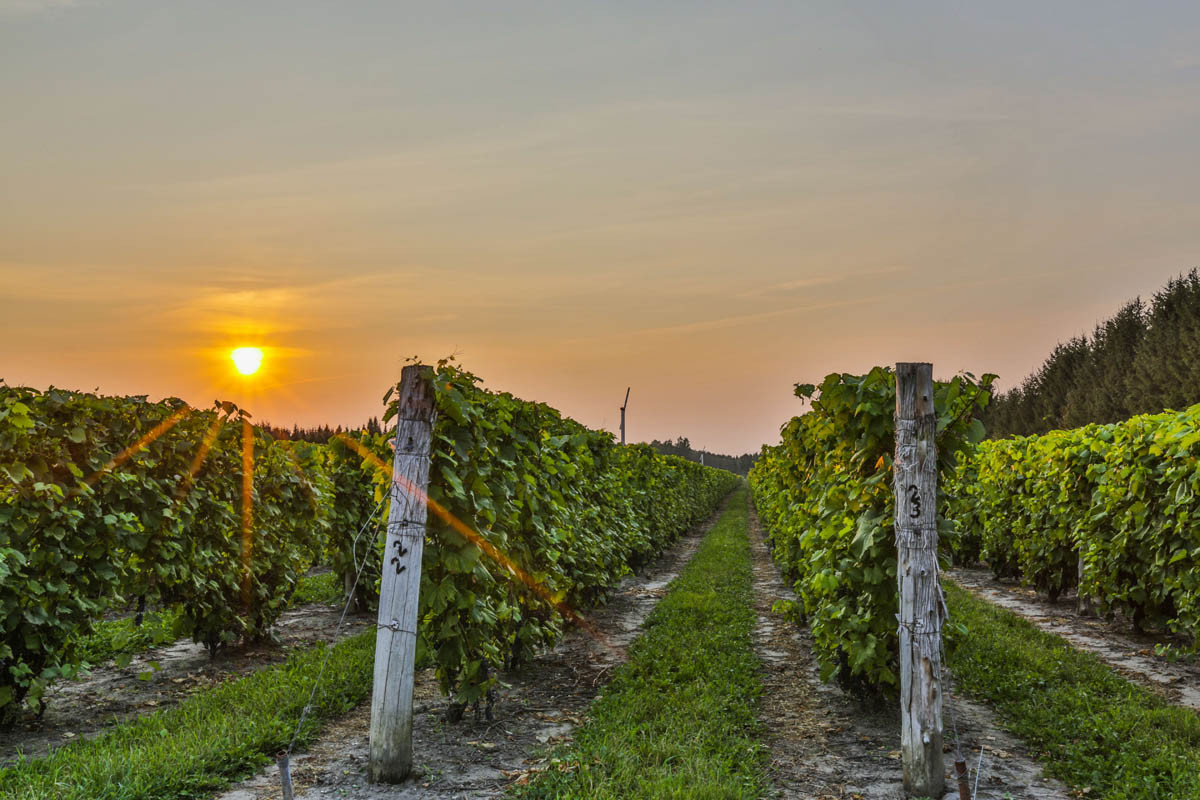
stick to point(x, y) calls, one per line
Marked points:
point(247, 360)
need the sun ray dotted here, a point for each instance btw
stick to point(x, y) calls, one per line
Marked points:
point(247, 510)
point(476, 539)
point(206, 444)
point(306, 483)
point(130, 451)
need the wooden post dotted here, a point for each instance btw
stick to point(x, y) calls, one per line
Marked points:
point(285, 776)
point(399, 591)
point(915, 474)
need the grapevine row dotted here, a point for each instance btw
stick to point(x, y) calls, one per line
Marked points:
point(1115, 504)
point(107, 499)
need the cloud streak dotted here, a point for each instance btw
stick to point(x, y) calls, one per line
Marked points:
point(37, 6)
point(719, 323)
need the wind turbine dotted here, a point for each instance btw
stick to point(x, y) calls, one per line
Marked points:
point(623, 414)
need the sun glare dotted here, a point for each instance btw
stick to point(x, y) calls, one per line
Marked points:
point(247, 359)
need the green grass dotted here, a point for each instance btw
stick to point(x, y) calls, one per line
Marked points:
point(205, 742)
point(680, 718)
point(324, 588)
point(118, 639)
point(1091, 727)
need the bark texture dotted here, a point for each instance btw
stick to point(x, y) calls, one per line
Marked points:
point(399, 592)
point(921, 609)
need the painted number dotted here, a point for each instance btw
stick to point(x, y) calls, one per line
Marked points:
point(914, 502)
point(401, 551)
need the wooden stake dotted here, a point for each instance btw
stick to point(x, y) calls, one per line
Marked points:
point(915, 476)
point(399, 591)
point(285, 776)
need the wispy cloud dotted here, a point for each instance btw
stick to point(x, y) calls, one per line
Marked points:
point(36, 6)
point(828, 279)
point(719, 323)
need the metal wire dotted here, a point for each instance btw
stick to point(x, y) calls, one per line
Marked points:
point(345, 610)
point(945, 672)
point(978, 772)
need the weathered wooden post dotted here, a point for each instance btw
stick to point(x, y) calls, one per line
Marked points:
point(915, 475)
point(399, 591)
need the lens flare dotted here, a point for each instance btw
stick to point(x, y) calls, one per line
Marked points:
point(483, 544)
point(247, 360)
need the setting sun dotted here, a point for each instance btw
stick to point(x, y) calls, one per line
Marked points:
point(247, 359)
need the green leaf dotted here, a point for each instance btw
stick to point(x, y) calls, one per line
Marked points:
point(453, 480)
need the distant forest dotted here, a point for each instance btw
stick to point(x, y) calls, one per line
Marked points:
point(1143, 359)
point(322, 433)
point(682, 447)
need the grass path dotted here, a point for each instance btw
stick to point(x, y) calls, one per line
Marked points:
point(679, 720)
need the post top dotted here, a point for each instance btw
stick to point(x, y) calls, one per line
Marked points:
point(914, 389)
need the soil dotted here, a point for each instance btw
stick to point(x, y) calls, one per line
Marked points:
point(107, 695)
point(1129, 653)
point(825, 744)
point(538, 706)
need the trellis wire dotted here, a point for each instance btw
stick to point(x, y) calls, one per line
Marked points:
point(345, 610)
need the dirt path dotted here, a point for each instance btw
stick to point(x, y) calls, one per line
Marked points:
point(825, 744)
point(1129, 653)
point(109, 694)
point(538, 707)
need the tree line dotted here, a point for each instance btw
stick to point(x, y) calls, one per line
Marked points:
point(683, 448)
point(321, 434)
point(1143, 359)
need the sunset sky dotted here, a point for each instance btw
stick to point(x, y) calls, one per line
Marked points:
point(708, 202)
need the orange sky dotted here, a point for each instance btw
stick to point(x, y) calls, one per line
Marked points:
point(708, 204)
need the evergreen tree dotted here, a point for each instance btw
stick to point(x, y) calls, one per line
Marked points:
point(1166, 373)
point(1143, 359)
point(1047, 391)
point(1102, 391)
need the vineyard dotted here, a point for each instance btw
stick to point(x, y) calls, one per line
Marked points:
point(205, 514)
point(168, 523)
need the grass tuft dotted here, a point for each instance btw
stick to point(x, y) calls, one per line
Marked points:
point(325, 588)
point(117, 639)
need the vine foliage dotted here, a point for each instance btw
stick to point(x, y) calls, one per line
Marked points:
point(1123, 498)
point(107, 501)
point(567, 510)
